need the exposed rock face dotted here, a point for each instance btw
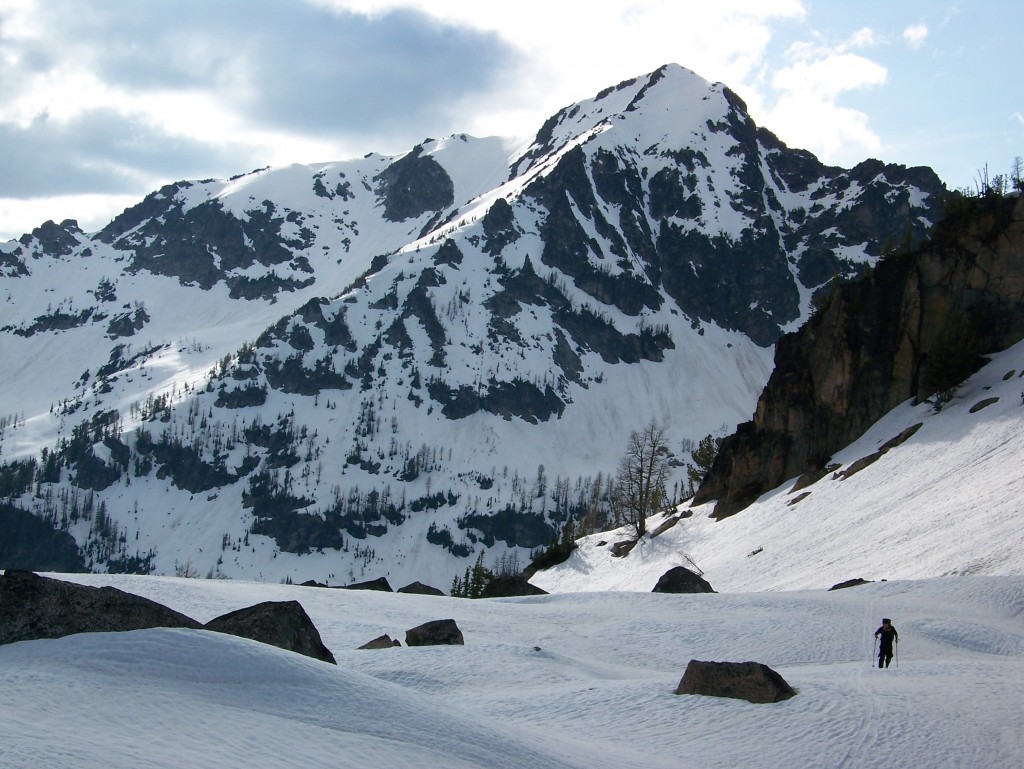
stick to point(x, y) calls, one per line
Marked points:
point(918, 325)
point(33, 607)
point(681, 580)
point(413, 185)
point(283, 624)
point(749, 681)
point(438, 632)
point(507, 587)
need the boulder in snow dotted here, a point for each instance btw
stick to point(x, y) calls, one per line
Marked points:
point(381, 642)
point(679, 579)
point(749, 681)
point(283, 624)
point(33, 607)
point(418, 588)
point(438, 632)
point(850, 583)
point(381, 583)
point(514, 585)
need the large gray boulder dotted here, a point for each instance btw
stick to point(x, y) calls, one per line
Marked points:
point(749, 681)
point(679, 579)
point(34, 607)
point(283, 624)
point(438, 632)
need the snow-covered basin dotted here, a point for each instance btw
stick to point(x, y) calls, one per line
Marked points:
point(572, 680)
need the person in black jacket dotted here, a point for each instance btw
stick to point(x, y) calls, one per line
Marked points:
point(888, 635)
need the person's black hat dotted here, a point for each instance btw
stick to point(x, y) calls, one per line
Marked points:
point(886, 620)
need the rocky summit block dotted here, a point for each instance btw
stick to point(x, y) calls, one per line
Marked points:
point(283, 624)
point(34, 607)
point(749, 681)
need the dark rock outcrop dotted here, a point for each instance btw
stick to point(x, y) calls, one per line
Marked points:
point(381, 642)
point(34, 607)
point(917, 326)
point(418, 588)
point(381, 584)
point(283, 624)
point(751, 681)
point(413, 185)
point(509, 586)
point(438, 632)
point(850, 583)
point(623, 548)
point(679, 579)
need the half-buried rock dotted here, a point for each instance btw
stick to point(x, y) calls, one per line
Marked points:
point(749, 681)
point(34, 607)
point(283, 624)
point(381, 642)
point(439, 632)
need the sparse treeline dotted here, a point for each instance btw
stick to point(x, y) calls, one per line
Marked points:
point(293, 484)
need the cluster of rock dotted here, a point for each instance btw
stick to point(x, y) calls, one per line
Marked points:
point(34, 607)
point(438, 632)
point(381, 584)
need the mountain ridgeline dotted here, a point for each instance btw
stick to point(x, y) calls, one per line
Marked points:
point(386, 364)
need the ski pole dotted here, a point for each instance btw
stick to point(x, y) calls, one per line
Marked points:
point(875, 652)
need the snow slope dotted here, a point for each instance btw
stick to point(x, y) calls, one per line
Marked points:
point(578, 680)
point(944, 502)
point(585, 677)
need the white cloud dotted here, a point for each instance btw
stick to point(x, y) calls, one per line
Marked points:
point(915, 35)
point(801, 101)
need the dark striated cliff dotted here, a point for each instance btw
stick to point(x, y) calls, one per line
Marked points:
point(916, 326)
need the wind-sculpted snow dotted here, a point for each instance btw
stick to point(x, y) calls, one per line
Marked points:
point(561, 681)
point(324, 371)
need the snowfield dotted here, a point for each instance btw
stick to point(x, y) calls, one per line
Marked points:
point(945, 502)
point(574, 680)
point(585, 677)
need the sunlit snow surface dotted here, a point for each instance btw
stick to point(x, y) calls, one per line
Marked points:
point(574, 680)
point(585, 677)
point(945, 502)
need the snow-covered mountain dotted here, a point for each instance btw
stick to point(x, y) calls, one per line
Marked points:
point(383, 365)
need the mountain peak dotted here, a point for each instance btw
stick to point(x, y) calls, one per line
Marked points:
point(309, 371)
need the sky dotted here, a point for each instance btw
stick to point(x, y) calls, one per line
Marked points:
point(103, 101)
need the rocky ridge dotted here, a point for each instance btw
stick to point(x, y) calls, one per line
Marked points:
point(913, 328)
